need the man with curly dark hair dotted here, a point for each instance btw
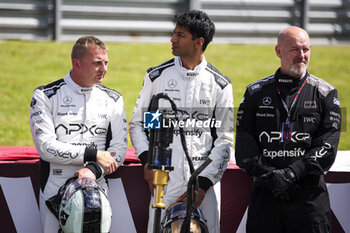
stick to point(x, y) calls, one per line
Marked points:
point(198, 24)
point(203, 92)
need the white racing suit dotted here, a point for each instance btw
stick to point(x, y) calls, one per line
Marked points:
point(69, 124)
point(202, 93)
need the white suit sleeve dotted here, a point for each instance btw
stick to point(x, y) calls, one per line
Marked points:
point(44, 136)
point(137, 132)
point(119, 140)
point(223, 144)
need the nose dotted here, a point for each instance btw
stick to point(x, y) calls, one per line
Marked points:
point(173, 38)
point(104, 67)
point(301, 53)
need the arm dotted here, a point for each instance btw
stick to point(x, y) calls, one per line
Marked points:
point(223, 144)
point(116, 143)
point(118, 125)
point(55, 150)
point(321, 155)
point(45, 138)
point(138, 135)
point(247, 152)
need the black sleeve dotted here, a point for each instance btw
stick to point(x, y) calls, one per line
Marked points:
point(247, 152)
point(143, 157)
point(95, 168)
point(320, 157)
point(90, 155)
point(204, 183)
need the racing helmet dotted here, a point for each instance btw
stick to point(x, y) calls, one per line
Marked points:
point(85, 208)
point(175, 215)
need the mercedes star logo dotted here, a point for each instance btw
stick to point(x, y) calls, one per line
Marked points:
point(67, 100)
point(172, 83)
point(266, 100)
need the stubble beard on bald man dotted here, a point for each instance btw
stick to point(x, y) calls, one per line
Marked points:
point(298, 73)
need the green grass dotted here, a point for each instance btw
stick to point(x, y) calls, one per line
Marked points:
point(27, 65)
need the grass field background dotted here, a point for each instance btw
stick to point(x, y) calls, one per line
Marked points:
point(27, 65)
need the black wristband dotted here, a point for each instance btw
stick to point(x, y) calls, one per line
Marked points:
point(90, 155)
point(95, 168)
point(204, 183)
point(143, 157)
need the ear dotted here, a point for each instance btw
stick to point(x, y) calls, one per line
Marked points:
point(76, 63)
point(278, 51)
point(199, 42)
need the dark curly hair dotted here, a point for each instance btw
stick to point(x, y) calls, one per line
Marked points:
point(198, 24)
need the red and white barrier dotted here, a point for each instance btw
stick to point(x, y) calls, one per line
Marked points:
point(129, 196)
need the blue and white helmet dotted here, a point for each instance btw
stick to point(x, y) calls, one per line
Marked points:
point(85, 208)
point(175, 216)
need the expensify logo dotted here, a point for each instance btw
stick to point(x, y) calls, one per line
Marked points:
point(296, 152)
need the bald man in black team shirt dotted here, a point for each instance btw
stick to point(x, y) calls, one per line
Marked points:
point(288, 129)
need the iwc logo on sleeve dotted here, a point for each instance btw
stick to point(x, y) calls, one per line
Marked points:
point(33, 103)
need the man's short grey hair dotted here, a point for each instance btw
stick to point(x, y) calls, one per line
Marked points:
point(85, 42)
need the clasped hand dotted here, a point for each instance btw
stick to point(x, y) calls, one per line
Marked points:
point(106, 161)
point(281, 183)
point(200, 197)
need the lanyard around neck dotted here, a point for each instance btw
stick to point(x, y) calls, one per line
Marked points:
point(294, 100)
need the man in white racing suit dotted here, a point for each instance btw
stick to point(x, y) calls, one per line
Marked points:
point(78, 126)
point(202, 93)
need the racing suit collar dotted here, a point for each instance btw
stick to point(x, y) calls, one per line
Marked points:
point(190, 74)
point(288, 81)
point(288, 86)
point(79, 89)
